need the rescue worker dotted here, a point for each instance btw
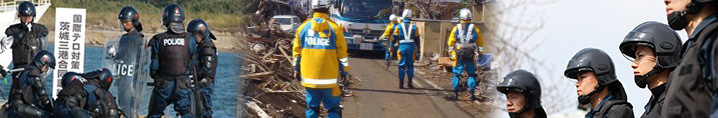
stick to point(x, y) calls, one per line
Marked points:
point(319, 52)
point(28, 96)
point(170, 65)
point(130, 50)
point(523, 95)
point(391, 44)
point(694, 81)
point(464, 43)
point(654, 49)
point(87, 95)
point(29, 37)
point(207, 67)
point(406, 34)
point(597, 84)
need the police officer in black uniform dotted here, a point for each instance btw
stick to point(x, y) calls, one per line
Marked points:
point(130, 53)
point(171, 65)
point(28, 97)
point(72, 98)
point(654, 48)
point(29, 37)
point(86, 95)
point(207, 63)
point(597, 84)
point(523, 95)
point(693, 83)
point(100, 101)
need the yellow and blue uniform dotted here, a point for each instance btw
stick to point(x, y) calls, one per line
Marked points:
point(406, 35)
point(389, 39)
point(464, 38)
point(320, 54)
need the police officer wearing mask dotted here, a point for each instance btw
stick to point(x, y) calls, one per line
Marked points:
point(86, 95)
point(654, 49)
point(29, 37)
point(207, 67)
point(523, 95)
point(171, 65)
point(597, 84)
point(694, 81)
point(28, 97)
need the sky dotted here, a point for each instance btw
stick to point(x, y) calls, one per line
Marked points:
point(571, 25)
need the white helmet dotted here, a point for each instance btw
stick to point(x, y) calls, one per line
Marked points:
point(406, 14)
point(318, 4)
point(465, 14)
point(392, 18)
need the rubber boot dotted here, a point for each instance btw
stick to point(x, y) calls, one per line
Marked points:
point(401, 84)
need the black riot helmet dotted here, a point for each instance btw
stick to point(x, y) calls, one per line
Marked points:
point(523, 82)
point(173, 18)
point(662, 39)
point(69, 77)
point(103, 77)
point(598, 62)
point(26, 8)
point(677, 20)
point(128, 13)
point(198, 26)
point(43, 58)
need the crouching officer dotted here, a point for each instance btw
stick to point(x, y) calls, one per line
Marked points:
point(523, 95)
point(464, 43)
point(597, 84)
point(87, 95)
point(28, 97)
point(406, 34)
point(206, 57)
point(171, 66)
point(654, 49)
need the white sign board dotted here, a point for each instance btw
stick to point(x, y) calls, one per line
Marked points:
point(69, 44)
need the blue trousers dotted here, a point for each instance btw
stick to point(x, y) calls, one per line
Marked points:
point(406, 60)
point(207, 99)
point(316, 97)
point(470, 68)
point(170, 91)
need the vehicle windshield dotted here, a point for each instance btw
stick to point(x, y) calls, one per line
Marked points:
point(366, 9)
point(283, 21)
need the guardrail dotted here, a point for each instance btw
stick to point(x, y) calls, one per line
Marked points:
point(11, 5)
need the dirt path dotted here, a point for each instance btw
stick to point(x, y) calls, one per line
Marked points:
point(376, 95)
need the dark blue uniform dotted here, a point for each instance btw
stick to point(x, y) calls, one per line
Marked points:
point(28, 97)
point(170, 68)
point(206, 70)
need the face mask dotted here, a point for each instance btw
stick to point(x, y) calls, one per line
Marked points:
point(677, 20)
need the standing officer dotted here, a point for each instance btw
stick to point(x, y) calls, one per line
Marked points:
point(464, 43)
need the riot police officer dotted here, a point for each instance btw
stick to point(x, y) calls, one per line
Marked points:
point(523, 95)
point(695, 81)
point(206, 67)
point(28, 97)
point(597, 84)
point(29, 37)
point(130, 58)
point(655, 51)
point(170, 66)
point(86, 95)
